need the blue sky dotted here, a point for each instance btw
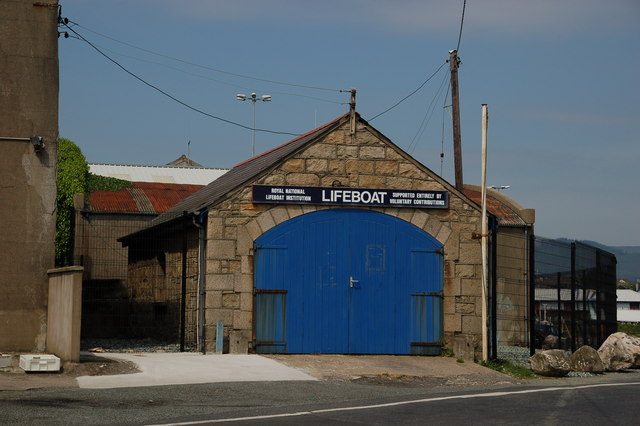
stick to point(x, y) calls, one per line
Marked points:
point(560, 79)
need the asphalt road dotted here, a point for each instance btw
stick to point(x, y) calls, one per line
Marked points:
point(609, 399)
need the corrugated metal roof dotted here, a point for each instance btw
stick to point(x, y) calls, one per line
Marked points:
point(625, 295)
point(551, 295)
point(143, 197)
point(505, 214)
point(164, 174)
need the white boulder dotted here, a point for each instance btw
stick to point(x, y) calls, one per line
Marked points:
point(620, 351)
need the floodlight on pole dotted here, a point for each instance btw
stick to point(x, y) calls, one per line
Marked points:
point(253, 98)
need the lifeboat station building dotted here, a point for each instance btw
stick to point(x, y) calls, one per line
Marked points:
point(335, 242)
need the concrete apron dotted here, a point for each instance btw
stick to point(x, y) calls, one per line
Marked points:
point(158, 369)
point(189, 368)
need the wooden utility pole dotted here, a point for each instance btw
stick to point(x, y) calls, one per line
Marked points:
point(455, 110)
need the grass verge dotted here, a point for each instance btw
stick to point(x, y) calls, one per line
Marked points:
point(630, 329)
point(506, 367)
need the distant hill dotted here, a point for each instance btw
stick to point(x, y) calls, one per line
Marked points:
point(628, 258)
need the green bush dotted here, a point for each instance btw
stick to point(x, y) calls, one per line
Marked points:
point(73, 177)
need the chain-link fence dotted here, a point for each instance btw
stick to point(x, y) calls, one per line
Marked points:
point(511, 289)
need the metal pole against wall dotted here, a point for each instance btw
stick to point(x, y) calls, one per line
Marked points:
point(485, 232)
point(183, 295)
point(202, 293)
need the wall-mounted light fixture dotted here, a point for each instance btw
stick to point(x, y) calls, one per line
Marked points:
point(36, 141)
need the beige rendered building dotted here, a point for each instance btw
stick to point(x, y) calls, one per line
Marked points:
point(29, 108)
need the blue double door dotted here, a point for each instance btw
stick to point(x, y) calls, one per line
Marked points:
point(348, 281)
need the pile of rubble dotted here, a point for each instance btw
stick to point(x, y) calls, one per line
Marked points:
point(619, 352)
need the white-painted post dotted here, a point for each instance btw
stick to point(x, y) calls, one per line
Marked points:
point(485, 278)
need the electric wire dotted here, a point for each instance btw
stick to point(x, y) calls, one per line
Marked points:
point(444, 109)
point(427, 116)
point(171, 96)
point(207, 67)
point(410, 94)
point(148, 61)
point(425, 119)
point(464, 6)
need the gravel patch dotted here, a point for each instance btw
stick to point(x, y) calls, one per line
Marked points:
point(128, 345)
point(580, 374)
point(514, 354)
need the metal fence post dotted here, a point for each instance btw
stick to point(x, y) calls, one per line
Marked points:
point(573, 297)
point(494, 289)
point(598, 286)
point(532, 294)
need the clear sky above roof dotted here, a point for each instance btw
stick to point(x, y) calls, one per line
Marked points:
point(560, 79)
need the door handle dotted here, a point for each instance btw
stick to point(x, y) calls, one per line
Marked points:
point(352, 282)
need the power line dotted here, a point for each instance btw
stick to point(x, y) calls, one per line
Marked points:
point(170, 96)
point(464, 6)
point(427, 117)
point(252, 89)
point(410, 94)
point(204, 66)
point(444, 108)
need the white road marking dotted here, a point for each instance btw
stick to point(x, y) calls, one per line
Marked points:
point(394, 404)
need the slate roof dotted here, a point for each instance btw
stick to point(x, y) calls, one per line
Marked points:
point(242, 173)
point(248, 171)
point(183, 160)
point(142, 198)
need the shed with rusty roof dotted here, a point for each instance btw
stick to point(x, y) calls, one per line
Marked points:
point(100, 218)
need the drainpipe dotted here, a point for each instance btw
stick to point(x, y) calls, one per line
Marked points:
point(202, 293)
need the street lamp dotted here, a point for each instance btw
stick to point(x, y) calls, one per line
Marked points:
point(253, 98)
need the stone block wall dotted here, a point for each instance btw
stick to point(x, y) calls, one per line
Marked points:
point(154, 287)
point(366, 160)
